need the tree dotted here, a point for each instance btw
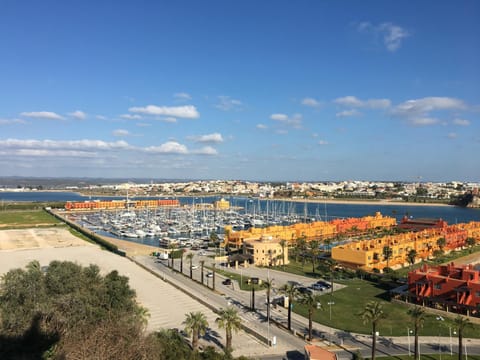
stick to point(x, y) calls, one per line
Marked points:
point(230, 321)
point(387, 253)
point(202, 265)
point(190, 258)
point(300, 246)
point(314, 249)
point(289, 290)
point(283, 244)
point(462, 323)
point(196, 325)
point(471, 243)
point(373, 314)
point(441, 242)
point(312, 302)
point(417, 314)
point(411, 256)
point(172, 247)
point(268, 284)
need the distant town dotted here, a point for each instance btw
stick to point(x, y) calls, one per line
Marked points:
point(453, 192)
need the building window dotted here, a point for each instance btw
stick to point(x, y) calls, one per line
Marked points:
point(437, 286)
point(477, 293)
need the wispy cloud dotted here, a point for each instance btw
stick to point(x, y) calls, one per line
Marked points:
point(187, 111)
point(100, 117)
point(182, 96)
point(461, 122)
point(294, 121)
point(261, 126)
point(12, 121)
point(206, 150)
point(348, 113)
point(42, 115)
point(226, 103)
point(120, 132)
point(131, 116)
point(64, 144)
point(418, 111)
point(323, 142)
point(214, 138)
point(78, 114)
point(452, 135)
point(311, 102)
point(352, 101)
point(392, 35)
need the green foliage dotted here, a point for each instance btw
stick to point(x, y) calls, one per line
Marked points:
point(26, 218)
point(63, 300)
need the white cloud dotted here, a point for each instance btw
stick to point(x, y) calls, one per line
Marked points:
point(77, 114)
point(207, 150)
point(12, 121)
point(310, 102)
point(323, 142)
point(182, 96)
point(279, 117)
point(208, 138)
point(452, 135)
point(42, 115)
point(186, 111)
point(348, 101)
point(294, 121)
point(226, 103)
point(64, 144)
point(423, 121)
point(131, 116)
point(348, 113)
point(101, 117)
point(392, 35)
point(170, 147)
point(417, 111)
point(169, 119)
point(352, 101)
point(121, 132)
point(461, 122)
point(262, 126)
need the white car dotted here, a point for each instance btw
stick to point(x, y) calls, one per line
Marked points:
point(194, 267)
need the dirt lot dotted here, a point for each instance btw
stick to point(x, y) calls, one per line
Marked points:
point(38, 238)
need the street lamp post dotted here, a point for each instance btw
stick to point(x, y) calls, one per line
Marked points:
point(408, 336)
point(330, 303)
point(450, 334)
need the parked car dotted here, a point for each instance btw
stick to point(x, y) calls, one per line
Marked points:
point(209, 275)
point(227, 282)
point(324, 284)
point(304, 290)
point(318, 287)
point(194, 267)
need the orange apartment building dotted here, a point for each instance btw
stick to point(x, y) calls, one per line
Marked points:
point(118, 204)
point(318, 230)
point(368, 254)
point(449, 287)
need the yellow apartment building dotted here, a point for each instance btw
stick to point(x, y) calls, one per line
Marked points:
point(266, 251)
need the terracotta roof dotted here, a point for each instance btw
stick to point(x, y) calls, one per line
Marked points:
point(317, 353)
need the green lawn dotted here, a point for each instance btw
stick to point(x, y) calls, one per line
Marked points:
point(350, 301)
point(21, 219)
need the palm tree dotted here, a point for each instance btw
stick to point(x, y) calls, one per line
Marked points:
point(314, 244)
point(387, 254)
point(470, 242)
point(213, 270)
point(289, 290)
point(181, 262)
point(441, 242)
point(230, 321)
point(268, 284)
point(283, 244)
point(190, 257)
point(312, 302)
point(202, 264)
point(373, 314)
point(172, 248)
point(412, 255)
point(462, 323)
point(418, 316)
point(195, 324)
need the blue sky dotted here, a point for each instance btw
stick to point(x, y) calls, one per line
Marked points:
point(255, 90)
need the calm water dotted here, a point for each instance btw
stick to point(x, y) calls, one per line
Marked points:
point(326, 211)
